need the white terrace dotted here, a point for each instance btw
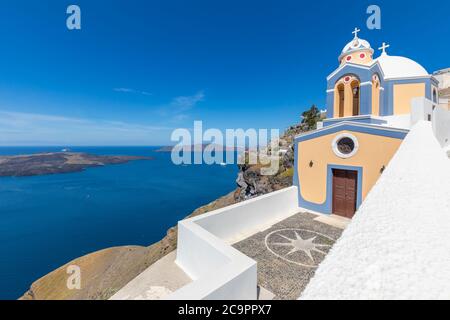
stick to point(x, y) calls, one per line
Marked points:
point(397, 246)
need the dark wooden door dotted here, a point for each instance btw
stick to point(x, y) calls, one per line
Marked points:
point(344, 192)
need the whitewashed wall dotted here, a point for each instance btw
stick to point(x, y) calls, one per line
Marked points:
point(218, 270)
point(204, 252)
point(399, 121)
point(440, 118)
point(441, 125)
point(244, 219)
point(444, 79)
point(420, 109)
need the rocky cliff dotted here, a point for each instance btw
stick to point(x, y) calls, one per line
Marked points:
point(250, 182)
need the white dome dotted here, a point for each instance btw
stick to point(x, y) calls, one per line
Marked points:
point(355, 45)
point(400, 67)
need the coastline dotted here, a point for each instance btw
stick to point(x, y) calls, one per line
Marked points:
point(57, 162)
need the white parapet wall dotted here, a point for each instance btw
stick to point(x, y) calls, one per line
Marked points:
point(421, 110)
point(398, 121)
point(398, 244)
point(438, 114)
point(205, 253)
point(441, 125)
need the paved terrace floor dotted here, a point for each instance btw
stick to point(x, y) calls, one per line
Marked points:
point(289, 252)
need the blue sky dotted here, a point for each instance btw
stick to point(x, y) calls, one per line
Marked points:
point(139, 69)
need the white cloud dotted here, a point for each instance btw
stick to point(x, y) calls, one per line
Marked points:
point(180, 117)
point(129, 90)
point(41, 129)
point(18, 128)
point(178, 107)
point(18, 118)
point(184, 103)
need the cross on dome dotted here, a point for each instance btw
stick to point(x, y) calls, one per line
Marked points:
point(384, 47)
point(356, 45)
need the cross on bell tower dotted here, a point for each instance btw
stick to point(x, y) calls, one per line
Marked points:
point(356, 32)
point(384, 47)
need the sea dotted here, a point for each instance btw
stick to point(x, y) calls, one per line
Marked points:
point(47, 221)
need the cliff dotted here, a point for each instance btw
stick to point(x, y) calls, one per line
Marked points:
point(252, 184)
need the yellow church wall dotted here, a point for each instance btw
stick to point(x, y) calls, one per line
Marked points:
point(374, 152)
point(404, 93)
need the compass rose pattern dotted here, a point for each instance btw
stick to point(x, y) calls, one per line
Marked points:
point(302, 247)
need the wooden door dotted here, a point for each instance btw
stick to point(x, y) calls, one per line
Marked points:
point(344, 192)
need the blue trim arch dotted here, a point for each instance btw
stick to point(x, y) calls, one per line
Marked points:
point(364, 74)
point(356, 127)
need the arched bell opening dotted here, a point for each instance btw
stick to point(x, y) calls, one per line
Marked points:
point(341, 99)
point(376, 88)
point(355, 87)
point(347, 97)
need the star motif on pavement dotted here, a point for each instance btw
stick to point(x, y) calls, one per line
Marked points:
point(300, 244)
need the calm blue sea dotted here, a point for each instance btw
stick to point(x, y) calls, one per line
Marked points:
point(46, 221)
